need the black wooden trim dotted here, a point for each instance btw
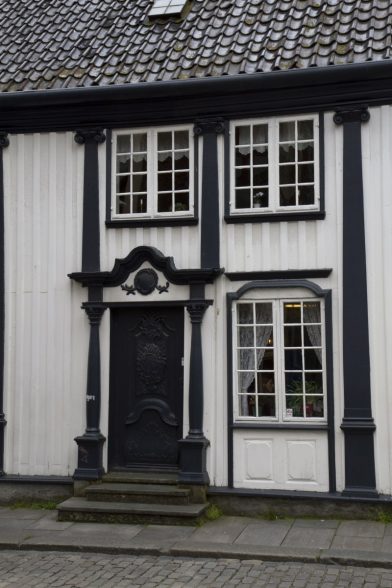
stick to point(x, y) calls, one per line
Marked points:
point(150, 304)
point(4, 142)
point(55, 480)
point(279, 275)
point(210, 219)
point(321, 162)
point(260, 94)
point(148, 222)
point(329, 426)
point(280, 426)
point(358, 425)
point(275, 217)
point(90, 138)
point(123, 267)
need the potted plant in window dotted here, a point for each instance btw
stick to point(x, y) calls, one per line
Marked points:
point(258, 199)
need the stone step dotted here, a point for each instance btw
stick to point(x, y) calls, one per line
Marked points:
point(143, 493)
point(81, 510)
point(141, 477)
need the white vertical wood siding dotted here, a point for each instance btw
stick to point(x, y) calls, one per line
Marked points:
point(46, 337)
point(377, 166)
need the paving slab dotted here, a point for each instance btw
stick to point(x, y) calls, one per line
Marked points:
point(361, 529)
point(268, 533)
point(224, 530)
point(357, 543)
point(48, 522)
point(317, 523)
point(309, 537)
point(164, 534)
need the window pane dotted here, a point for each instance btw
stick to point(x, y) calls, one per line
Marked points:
point(139, 203)
point(287, 153)
point(266, 406)
point(265, 359)
point(123, 144)
point(294, 384)
point(242, 177)
point(260, 198)
point(314, 406)
point(242, 135)
point(165, 203)
point(260, 176)
point(305, 129)
point(292, 313)
point(181, 181)
point(312, 312)
point(246, 359)
point(165, 161)
point(181, 160)
point(305, 151)
point(260, 134)
point(140, 142)
point(246, 336)
point(260, 155)
point(294, 406)
point(123, 184)
point(266, 383)
point(165, 141)
point(287, 196)
point(140, 162)
point(123, 164)
point(139, 183)
point(246, 381)
point(264, 336)
point(242, 198)
point(306, 172)
point(287, 131)
point(306, 195)
point(314, 383)
point(165, 182)
point(181, 139)
point(292, 337)
point(123, 205)
point(313, 359)
point(247, 405)
point(263, 313)
point(312, 336)
point(287, 174)
point(245, 313)
point(293, 359)
point(181, 202)
point(242, 156)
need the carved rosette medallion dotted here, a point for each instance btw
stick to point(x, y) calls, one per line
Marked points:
point(145, 282)
point(83, 136)
point(354, 114)
point(204, 126)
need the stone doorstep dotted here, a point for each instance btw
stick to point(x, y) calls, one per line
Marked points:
point(127, 477)
point(143, 493)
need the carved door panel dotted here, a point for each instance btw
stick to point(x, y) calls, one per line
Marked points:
point(146, 387)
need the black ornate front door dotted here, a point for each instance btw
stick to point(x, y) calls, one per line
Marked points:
point(146, 387)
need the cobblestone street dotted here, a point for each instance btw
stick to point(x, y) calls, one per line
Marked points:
point(53, 569)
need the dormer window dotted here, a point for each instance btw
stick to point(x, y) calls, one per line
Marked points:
point(167, 8)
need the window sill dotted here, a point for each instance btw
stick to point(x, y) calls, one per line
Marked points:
point(151, 222)
point(275, 217)
point(269, 426)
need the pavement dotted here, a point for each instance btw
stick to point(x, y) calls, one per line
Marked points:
point(357, 543)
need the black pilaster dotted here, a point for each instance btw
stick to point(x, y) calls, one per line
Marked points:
point(4, 142)
point(357, 424)
point(90, 444)
point(209, 254)
point(90, 138)
point(193, 449)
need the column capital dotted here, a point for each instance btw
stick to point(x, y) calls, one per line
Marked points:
point(196, 310)
point(83, 136)
point(4, 140)
point(209, 125)
point(358, 113)
point(94, 312)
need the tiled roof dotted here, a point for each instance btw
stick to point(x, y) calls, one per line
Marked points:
point(69, 43)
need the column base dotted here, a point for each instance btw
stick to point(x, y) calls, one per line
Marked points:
point(193, 460)
point(90, 446)
point(361, 492)
point(359, 457)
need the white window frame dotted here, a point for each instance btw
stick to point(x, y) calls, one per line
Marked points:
point(273, 166)
point(279, 362)
point(152, 175)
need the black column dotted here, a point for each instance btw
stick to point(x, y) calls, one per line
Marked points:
point(90, 138)
point(357, 424)
point(193, 448)
point(4, 142)
point(210, 222)
point(90, 444)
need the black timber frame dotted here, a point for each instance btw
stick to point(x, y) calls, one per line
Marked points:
point(358, 424)
point(193, 448)
point(330, 426)
point(4, 142)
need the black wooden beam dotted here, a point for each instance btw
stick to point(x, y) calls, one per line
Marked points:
point(4, 142)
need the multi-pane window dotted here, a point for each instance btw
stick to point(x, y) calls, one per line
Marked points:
point(153, 173)
point(275, 165)
point(279, 359)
